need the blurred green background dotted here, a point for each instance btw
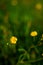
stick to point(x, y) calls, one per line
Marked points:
point(18, 18)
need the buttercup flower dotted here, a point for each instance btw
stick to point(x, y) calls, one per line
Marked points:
point(42, 37)
point(34, 33)
point(39, 6)
point(42, 54)
point(13, 40)
point(14, 2)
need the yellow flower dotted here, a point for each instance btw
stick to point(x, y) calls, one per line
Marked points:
point(42, 37)
point(42, 54)
point(14, 2)
point(34, 33)
point(13, 40)
point(38, 6)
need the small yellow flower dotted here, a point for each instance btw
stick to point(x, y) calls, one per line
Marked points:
point(38, 6)
point(14, 2)
point(42, 37)
point(34, 33)
point(42, 54)
point(13, 40)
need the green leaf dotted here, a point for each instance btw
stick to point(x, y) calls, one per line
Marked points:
point(21, 49)
point(24, 63)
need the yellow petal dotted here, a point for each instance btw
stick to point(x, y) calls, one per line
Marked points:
point(42, 54)
point(38, 6)
point(13, 40)
point(34, 33)
point(14, 2)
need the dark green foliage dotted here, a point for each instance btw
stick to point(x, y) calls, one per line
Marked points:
point(19, 18)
